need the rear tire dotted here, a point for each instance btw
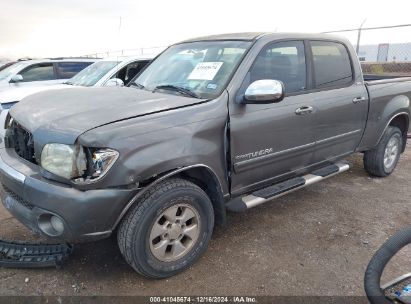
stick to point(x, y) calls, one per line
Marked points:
point(167, 230)
point(382, 160)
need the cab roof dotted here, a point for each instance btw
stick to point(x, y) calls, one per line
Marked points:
point(252, 36)
point(230, 36)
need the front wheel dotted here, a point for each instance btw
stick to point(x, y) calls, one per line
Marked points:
point(384, 158)
point(167, 230)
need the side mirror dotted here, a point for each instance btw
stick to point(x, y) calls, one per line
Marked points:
point(16, 78)
point(114, 82)
point(264, 91)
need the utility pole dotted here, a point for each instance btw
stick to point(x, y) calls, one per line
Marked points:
point(359, 36)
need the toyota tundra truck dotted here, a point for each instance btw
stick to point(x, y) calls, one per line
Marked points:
point(213, 124)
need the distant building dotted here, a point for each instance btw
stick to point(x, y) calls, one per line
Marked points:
point(385, 52)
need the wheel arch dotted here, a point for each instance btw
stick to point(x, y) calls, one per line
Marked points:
point(201, 175)
point(401, 121)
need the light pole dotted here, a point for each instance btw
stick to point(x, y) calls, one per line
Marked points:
point(359, 36)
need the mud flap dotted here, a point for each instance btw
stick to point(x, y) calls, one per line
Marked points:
point(26, 255)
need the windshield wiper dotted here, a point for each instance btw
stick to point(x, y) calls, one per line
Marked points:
point(172, 87)
point(138, 85)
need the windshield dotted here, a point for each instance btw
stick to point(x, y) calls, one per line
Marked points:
point(11, 70)
point(199, 69)
point(93, 73)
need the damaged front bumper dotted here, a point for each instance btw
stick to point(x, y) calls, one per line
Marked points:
point(25, 255)
point(57, 210)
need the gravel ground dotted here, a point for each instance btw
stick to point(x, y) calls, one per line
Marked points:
point(316, 241)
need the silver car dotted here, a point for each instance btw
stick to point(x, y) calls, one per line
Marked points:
point(107, 72)
point(41, 72)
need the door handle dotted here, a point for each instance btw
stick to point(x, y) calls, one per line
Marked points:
point(304, 110)
point(358, 99)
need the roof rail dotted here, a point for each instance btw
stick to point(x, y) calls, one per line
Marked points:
point(24, 59)
point(61, 58)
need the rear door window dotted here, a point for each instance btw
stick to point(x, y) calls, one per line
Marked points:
point(66, 70)
point(38, 72)
point(332, 65)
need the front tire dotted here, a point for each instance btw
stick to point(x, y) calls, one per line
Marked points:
point(383, 159)
point(167, 230)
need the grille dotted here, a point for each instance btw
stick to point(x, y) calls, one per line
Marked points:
point(17, 198)
point(20, 140)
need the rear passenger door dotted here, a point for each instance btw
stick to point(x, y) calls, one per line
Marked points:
point(339, 100)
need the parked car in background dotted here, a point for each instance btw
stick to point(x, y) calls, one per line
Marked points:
point(107, 72)
point(217, 123)
point(41, 72)
point(7, 64)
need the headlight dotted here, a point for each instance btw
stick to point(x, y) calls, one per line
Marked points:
point(68, 161)
point(102, 161)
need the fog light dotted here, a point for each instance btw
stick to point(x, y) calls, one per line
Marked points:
point(57, 224)
point(51, 225)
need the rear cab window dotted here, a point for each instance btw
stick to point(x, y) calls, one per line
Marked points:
point(332, 64)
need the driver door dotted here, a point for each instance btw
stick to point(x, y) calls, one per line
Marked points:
point(271, 142)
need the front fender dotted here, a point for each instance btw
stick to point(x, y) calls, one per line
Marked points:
point(150, 145)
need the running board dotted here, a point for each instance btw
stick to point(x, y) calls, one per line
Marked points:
point(267, 194)
point(25, 255)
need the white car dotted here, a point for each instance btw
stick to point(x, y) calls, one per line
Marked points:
point(107, 72)
point(37, 72)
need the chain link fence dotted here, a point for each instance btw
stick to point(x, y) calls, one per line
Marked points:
point(382, 50)
point(144, 51)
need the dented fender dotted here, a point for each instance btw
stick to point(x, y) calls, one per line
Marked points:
point(151, 145)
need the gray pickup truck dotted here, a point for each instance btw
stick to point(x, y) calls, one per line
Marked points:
point(217, 123)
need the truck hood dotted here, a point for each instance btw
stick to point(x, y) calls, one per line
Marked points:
point(16, 94)
point(63, 115)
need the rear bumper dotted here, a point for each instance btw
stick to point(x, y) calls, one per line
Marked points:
point(32, 199)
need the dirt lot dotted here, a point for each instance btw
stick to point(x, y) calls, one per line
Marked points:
point(315, 241)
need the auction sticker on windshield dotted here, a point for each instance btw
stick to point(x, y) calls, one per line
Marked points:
point(205, 70)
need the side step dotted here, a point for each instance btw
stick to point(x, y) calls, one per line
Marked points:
point(264, 195)
point(25, 255)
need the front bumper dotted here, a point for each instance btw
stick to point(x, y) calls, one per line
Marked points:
point(86, 215)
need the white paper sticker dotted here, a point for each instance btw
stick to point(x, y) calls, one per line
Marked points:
point(205, 70)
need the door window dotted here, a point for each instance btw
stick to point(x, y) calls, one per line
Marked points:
point(332, 65)
point(283, 61)
point(66, 70)
point(38, 72)
point(127, 73)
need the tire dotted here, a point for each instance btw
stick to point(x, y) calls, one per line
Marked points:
point(376, 161)
point(152, 235)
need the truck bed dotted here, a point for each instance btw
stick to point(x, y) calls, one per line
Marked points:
point(381, 91)
point(371, 78)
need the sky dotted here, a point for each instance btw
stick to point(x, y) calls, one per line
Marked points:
point(50, 28)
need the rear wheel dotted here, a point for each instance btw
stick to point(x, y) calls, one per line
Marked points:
point(167, 230)
point(384, 158)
